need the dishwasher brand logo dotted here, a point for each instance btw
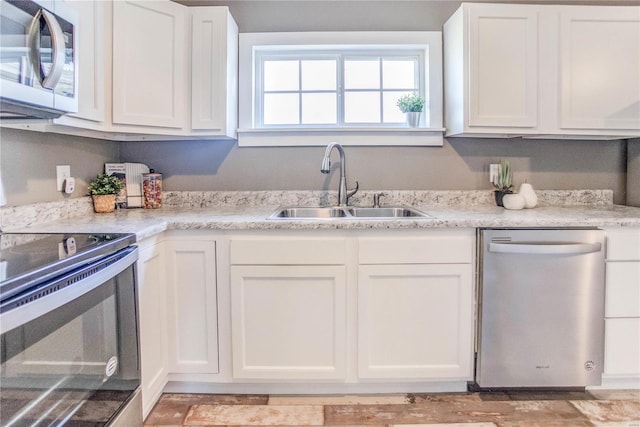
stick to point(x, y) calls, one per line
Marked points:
point(589, 365)
point(543, 366)
point(112, 366)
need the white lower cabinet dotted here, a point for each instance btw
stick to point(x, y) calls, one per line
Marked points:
point(153, 322)
point(192, 306)
point(622, 347)
point(288, 307)
point(398, 307)
point(288, 322)
point(622, 308)
point(415, 321)
point(415, 306)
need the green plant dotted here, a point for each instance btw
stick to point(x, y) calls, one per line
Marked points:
point(505, 176)
point(105, 184)
point(411, 103)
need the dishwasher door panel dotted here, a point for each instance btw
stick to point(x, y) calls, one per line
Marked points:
point(541, 310)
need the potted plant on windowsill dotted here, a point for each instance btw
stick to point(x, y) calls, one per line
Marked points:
point(503, 182)
point(412, 105)
point(103, 190)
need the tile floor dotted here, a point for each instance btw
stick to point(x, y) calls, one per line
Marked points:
point(497, 409)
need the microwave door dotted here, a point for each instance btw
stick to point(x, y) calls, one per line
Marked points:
point(38, 63)
point(17, 74)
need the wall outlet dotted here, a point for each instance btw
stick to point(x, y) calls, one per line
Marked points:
point(494, 172)
point(62, 172)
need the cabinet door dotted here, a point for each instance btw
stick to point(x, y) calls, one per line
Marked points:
point(622, 347)
point(153, 324)
point(415, 321)
point(214, 70)
point(92, 51)
point(600, 65)
point(288, 322)
point(149, 61)
point(192, 302)
point(503, 62)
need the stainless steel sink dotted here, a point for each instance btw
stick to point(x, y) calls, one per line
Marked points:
point(394, 212)
point(348, 213)
point(309, 213)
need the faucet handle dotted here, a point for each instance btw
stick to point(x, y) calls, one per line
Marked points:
point(352, 192)
point(376, 199)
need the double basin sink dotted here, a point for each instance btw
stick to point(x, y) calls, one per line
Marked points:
point(349, 212)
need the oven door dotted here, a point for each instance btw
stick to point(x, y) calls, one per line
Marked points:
point(69, 347)
point(38, 65)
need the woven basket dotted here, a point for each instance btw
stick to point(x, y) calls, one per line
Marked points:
point(105, 203)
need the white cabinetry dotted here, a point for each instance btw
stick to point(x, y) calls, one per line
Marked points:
point(622, 308)
point(415, 307)
point(288, 309)
point(192, 305)
point(153, 321)
point(543, 71)
point(600, 65)
point(149, 63)
point(92, 59)
point(153, 70)
point(214, 71)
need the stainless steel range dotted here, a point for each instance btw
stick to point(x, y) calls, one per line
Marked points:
point(69, 334)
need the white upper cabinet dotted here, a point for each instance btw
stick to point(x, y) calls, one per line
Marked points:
point(154, 70)
point(149, 59)
point(543, 71)
point(503, 63)
point(92, 61)
point(214, 82)
point(600, 68)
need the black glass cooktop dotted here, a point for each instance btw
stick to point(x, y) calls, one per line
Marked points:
point(27, 260)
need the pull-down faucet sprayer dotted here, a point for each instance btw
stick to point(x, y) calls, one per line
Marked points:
point(343, 192)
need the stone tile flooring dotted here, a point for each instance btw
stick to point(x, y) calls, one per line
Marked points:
point(619, 408)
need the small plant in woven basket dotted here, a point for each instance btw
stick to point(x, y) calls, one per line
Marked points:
point(103, 190)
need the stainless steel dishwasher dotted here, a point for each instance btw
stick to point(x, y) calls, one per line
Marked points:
point(541, 308)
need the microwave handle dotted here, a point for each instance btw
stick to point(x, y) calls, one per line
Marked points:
point(48, 81)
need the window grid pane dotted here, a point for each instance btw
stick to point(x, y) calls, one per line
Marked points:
point(344, 90)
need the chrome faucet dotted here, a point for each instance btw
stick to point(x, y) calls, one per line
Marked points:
point(343, 193)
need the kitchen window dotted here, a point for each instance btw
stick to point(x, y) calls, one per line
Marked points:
point(314, 88)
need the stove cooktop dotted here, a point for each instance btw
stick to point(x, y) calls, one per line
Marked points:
point(27, 260)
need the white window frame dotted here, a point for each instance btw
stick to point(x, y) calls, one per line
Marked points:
point(428, 42)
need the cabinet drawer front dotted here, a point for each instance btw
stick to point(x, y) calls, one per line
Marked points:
point(623, 289)
point(622, 347)
point(288, 251)
point(423, 250)
point(623, 244)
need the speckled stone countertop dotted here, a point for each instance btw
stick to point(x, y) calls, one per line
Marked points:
point(250, 211)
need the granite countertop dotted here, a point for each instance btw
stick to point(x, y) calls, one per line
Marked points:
point(236, 212)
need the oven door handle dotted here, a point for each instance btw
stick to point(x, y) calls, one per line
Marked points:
point(545, 248)
point(30, 311)
point(50, 80)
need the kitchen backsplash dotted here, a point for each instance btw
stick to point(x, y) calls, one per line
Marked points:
point(16, 217)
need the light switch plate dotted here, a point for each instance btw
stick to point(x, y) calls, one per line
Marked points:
point(62, 172)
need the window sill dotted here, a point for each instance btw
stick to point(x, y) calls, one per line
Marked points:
point(295, 137)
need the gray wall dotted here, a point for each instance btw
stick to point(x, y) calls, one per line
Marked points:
point(28, 163)
point(28, 159)
point(462, 164)
point(633, 173)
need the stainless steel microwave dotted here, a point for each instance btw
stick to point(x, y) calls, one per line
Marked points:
point(38, 59)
